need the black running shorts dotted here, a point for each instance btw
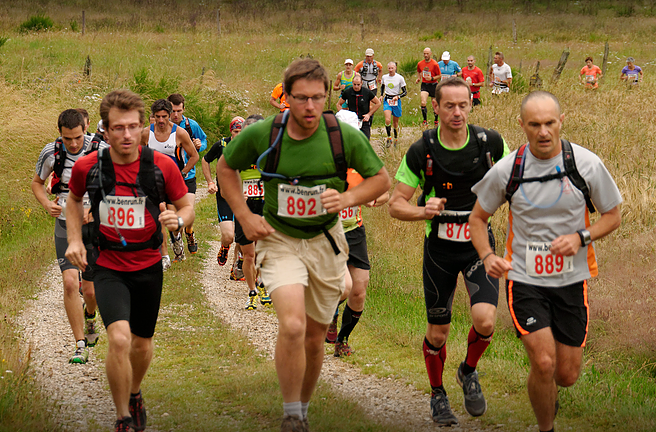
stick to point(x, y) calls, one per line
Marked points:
point(257, 207)
point(357, 241)
point(564, 309)
point(191, 185)
point(130, 296)
point(429, 88)
point(441, 277)
point(223, 210)
point(61, 244)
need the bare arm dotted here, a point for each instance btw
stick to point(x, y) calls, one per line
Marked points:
point(373, 107)
point(39, 192)
point(207, 173)
point(370, 189)
point(274, 103)
point(340, 102)
point(145, 133)
point(188, 146)
point(569, 244)
point(338, 80)
point(76, 253)
point(401, 209)
point(184, 209)
point(495, 266)
point(379, 201)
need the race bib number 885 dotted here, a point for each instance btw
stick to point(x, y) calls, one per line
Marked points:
point(123, 212)
point(253, 188)
point(300, 201)
point(540, 262)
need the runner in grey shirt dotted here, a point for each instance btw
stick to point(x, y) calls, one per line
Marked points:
point(549, 251)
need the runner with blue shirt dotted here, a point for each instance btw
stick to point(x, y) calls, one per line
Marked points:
point(392, 89)
point(448, 68)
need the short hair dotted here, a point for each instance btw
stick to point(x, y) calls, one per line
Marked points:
point(358, 76)
point(124, 100)
point(588, 58)
point(472, 57)
point(161, 105)
point(535, 95)
point(307, 68)
point(84, 113)
point(176, 99)
point(70, 119)
point(253, 118)
point(630, 60)
point(500, 54)
point(396, 65)
point(450, 82)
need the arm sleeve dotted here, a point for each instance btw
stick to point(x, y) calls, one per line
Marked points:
point(404, 91)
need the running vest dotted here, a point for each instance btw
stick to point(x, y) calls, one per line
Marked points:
point(348, 82)
point(101, 181)
point(516, 177)
point(457, 192)
point(168, 147)
point(365, 71)
point(57, 186)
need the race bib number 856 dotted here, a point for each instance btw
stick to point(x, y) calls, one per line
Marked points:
point(300, 201)
point(540, 262)
point(123, 212)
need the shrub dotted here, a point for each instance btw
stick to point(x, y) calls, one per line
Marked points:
point(74, 26)
point(406, 68)
point(3, 40)
point(36, 23)
point(437, 35)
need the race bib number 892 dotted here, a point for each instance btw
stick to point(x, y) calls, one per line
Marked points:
point(300, 201)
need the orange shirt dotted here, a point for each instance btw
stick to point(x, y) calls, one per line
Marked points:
point(591, 75)
point(277, 93)
point(427, 70)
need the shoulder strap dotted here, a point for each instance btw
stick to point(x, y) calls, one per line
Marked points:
point(336, 143)
point(273, 158)
point(188, 128)
point(429, 138)
point(95, 143)
point(60, 157)
point(574, 175)
point(516, 174)
point(488, 139)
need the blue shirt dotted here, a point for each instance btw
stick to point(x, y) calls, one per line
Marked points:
point(448, 70)
point(198, 133)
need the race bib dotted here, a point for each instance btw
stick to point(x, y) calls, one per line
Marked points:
point(300, 201)
point(427, 75)
point(590, 78)
point(371, 85)
point(253, 188)
point(123, 212)
point(541, 263)
point(445, 77)
point(392, 102)
point(457, 232)
point(348, 213)
point(633, 77)
point(86, 203)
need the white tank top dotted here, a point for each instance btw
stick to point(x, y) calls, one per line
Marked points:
point(167, 147)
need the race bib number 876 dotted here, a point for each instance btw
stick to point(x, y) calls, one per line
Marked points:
point(300, 201)
point(123, 212)
point(540, 262)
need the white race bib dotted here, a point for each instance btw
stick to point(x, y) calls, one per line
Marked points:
point(348, 213)
point(392, 102)
point(86, 203)
point(124, 212)
point(444, 77)
point(590, 78)
point(541, 263)
point(454, 231)
point(427, 75)
point(300, 201)
point(253, 188)
point(372, 85)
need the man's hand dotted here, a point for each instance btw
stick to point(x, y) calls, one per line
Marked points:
point(332, 201)
point(366, 117)
point(417, 80)
point(212, 188)
point(496, 266)
point(197, 143)
point(255, 227)
point(76, 253)
point(168, 218)
point(434, 207)
point(566, 245)
point(54, 209)
point(88, 217)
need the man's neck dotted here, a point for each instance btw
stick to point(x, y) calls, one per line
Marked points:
point(470, 67)
point(453, 138)
point(124, 159)
point(167, 129)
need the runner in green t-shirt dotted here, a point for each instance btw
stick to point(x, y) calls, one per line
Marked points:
point(301, 249)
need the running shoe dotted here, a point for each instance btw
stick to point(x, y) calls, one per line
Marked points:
point(252, 300)
point(81, 354)
point(441, 410)
point(90, 334)
point(264, 294)
point(123, 424)
point(237, 275)
point(396, 141)
point(437, 122)
point(292, 423)
point(342, 349)
point(192, 245)
point(424, 124)
point(222, 257)
point(138, 412)
point(166, 262)
point(388, 142)
point(331, 336)
point(474, 403)
point(178, 248)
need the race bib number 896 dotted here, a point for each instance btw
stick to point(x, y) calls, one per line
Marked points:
point(300, 201)
point(540, 262)
point(123, 212)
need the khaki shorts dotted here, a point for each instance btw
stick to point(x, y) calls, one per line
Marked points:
point(285, 260)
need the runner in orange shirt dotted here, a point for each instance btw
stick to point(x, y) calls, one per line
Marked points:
point(590, 74)
point(429, 75)
point(278, 98)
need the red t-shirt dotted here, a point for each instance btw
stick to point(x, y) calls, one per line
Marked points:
point(175, 189)
point(476, 76)
point(277, 93)
point(431, 67)
point(591, 75)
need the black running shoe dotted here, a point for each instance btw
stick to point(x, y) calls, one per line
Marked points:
point(138, 412)
point(441, 410)
point(475, 402)
point(123, 424)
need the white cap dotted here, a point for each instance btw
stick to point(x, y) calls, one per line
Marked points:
point(446, 55)
point(369, 52)
point(348, 61)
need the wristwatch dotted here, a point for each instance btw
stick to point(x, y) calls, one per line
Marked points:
point(585, 237)
point(181, 224)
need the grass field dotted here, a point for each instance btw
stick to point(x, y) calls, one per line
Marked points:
point(145, 47)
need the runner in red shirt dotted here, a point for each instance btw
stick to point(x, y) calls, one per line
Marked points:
point(590, 74)
point(429, 75)
point(128, 186)
point(475, 78)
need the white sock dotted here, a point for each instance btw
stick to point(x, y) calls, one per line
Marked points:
point(304, 408)
point(82, 344)
point(293, 408)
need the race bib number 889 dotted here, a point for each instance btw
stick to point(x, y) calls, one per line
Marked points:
point(123, 212)
point(540, 262)
point(300, 201)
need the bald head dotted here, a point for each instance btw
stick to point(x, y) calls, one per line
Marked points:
point(537, 96)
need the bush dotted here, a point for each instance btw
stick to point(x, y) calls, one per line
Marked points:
point(36, 23)
point(74, 26)
point(519, 83)
point(437, 35)
point(3, 40)
point(407, 68)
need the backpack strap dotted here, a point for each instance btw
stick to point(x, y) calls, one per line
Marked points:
point(188, 128)
point(487, 139)
point(336, 143)
point(429, 138)
point(58, 168)
point(273, 158)
point(574, 175)
point(516, 175)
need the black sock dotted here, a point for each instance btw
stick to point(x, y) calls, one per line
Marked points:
point(388, 128)
point(436, 117)
point(350, 319)
point(424, 111)
point(550, 430)
point(466, 369)
point(438, 389)
point(396, 133)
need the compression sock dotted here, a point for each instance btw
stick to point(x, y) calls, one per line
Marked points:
point(424, 112)
point(436, 118)
point(550, 430)
point(189, 230)
point(293, 408)
point(435, 358)
point(477, 344)
point(388, 128)
point(304, 409)
point(396, 133)
point(349, 321)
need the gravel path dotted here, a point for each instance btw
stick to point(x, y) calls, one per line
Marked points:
point(81, 391)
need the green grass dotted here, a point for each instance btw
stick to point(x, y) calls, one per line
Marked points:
point(36, 23)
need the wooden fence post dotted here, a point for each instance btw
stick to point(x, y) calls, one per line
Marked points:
point(218, 22)
point(535, 80)
point(514, 29)
point(605, 62)
point(84, 22)
point(561, 65)
point(489, 65)
point(362, 28)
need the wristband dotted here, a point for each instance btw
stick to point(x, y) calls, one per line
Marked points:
point(485, 257)
point(180, 222)
point(585, 237)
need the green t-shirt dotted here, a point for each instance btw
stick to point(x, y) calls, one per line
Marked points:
point(311, 156)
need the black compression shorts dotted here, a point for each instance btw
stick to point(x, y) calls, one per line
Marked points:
point(441, 277)
point(430, 88)
point(357, 241)
point(563, 309)
point(61, 244)
point(130, 296)
point(223, 210)
point(257, 207)
point(191, 185)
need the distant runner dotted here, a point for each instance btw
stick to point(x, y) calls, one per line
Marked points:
point(473, 75)
point(429, 74)
point(362, 102)
point(500, 75)
point(278, 99)
point(392, 89)
point(631, 73)
point(448, 67)
point(590, 74)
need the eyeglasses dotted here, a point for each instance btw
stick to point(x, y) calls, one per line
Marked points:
point(303, 99)
point(120, 130)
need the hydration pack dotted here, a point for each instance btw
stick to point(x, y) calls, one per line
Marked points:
point(57, 186)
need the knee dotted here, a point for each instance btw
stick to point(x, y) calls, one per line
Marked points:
point(436, 336)
point(119, 342)
point(71, 283)
point(567, 376)
point(544, 366)
point(292, 329)
point(141, 346)
point(87, 289)
point(484, 326)
point(249, 255)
